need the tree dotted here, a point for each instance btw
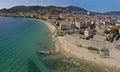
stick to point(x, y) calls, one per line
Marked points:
point(113, 30)
point(107, 32)
point(81, 32)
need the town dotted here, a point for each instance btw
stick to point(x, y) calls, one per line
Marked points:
point(97, 32)
point(82, 22)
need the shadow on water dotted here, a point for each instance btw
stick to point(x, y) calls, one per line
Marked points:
point(32, 67)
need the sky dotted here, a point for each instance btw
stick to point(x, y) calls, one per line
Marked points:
point(91, 5)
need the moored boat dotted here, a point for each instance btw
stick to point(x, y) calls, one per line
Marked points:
point(46, 52)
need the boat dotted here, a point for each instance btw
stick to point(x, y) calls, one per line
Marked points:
point(46, 52)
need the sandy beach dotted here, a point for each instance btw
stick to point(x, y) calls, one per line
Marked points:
point(72, 50)
point(51, 27)
point(53, 31)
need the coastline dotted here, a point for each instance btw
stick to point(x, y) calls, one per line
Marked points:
point(81, 54)
point(53, 31)
point(50, 26)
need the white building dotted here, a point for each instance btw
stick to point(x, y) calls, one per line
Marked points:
point(88, 32)
point(88, 13)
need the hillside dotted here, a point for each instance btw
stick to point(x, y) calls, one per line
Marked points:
point(17, 9)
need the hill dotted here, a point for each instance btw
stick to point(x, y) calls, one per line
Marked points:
point(17, 9)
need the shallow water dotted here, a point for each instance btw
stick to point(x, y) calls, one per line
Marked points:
point(21, 38)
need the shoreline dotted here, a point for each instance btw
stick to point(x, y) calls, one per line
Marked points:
point(53, 34)
point(70, 50)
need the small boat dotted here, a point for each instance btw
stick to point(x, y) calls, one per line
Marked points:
point(46, 52)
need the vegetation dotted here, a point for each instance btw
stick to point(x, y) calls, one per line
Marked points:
point(95, 30)
point(81, 32)
point(51, 9)
point(107, 32)
point(93, 48)
point(113, 30)
point(108, 38)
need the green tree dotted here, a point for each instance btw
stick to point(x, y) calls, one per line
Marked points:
point(113, 30)
point(107, 32)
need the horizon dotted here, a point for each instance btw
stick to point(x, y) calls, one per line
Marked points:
point(94, 6)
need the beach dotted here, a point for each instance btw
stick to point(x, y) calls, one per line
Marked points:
point(51, 27)
point(71, 50)
point(53, 31)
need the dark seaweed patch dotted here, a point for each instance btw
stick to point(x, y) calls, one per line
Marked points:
point(32, 67)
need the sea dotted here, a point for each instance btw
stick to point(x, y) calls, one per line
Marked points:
point(20, 41)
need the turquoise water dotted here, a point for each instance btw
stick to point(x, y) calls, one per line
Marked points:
point(21, 38)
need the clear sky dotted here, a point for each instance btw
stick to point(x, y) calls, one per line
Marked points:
point(92, 5)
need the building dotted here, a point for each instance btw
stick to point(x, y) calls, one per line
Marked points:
point(79, 25)
point(89, 33)
point(67, 26)
point(64, 26)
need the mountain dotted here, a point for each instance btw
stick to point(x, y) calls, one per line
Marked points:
point(112, 13)
point(52, 10)
point(74, 8)
point(17, 9)
point(21, 9)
